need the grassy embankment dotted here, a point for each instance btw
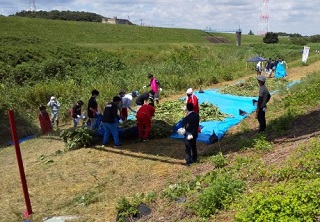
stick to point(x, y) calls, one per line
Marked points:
point(88, 182)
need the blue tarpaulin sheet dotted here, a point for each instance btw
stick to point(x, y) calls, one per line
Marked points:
point(228, 104)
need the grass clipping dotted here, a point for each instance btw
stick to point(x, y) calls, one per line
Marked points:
point(169, 113)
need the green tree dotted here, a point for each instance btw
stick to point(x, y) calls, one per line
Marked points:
point(271, 37)
point(250, 33)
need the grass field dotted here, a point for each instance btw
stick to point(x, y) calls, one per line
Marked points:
point(89, 182)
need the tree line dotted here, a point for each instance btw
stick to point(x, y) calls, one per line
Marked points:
point(62, 15)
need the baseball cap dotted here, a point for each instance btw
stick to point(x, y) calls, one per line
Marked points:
point(189, 91)
point(135, 93)
point(261, 78)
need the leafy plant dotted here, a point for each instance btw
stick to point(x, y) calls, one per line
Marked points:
point(260, 143)
point(77, 138)
point(219, 161)
point(218, 195)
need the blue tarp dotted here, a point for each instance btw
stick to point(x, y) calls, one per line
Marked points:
point(228, 104)
point(280, 71)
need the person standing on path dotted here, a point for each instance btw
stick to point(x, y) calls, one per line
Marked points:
point(155, 86)
point(54, 106)
point(144, 116)
point(76, 113)
point(109, 125)
point(93, 108)
point(191, 125)
point(264, 97)
point(44, 119)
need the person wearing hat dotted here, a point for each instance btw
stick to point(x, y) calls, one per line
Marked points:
point(145, 98)
point(54, 106)
point(155, 86)
point(264, 97)
point(191, 125)
point(76, 113)
point(191, 98)
point(126, 104)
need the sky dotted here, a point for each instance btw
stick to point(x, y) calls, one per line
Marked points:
point(289, 16)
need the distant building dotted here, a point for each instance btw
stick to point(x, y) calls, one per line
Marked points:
point(115, 21)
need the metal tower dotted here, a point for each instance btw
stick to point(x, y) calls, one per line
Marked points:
point(32, 5)
point(264, 18)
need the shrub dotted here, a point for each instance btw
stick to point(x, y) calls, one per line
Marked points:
point(218, 195)
point(75, 139)
point(294, 201)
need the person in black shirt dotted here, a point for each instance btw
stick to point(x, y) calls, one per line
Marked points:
point(93, 108)
point(109, 125)
point(145, 98)
point(76, 113)
point(191, 124)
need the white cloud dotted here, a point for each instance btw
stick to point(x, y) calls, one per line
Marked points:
point(290, 16)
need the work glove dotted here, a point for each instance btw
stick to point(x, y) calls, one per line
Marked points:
point(78, 116)
point(120, 121)
point(189, 137)
point(160, 89)
point(184, 108)
point(144, 86)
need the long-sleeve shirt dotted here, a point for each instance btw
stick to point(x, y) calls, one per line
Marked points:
point(126, 101)
point(110, 113)
point(194, 100)
point(54, 105)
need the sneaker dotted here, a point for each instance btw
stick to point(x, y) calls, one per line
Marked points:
point(145, 140)
point(116, 146)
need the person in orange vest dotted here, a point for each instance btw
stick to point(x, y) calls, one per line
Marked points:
point(191, 98)
point(44, 119)
point(144, 116)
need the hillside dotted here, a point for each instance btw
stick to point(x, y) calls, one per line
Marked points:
point(89, 181)
point(234, 177)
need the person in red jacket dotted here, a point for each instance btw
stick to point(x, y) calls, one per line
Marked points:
point(144, 116)
point(191, 98)
point(44, 119)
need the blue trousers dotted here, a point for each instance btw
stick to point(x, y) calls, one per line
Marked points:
point(110, 128)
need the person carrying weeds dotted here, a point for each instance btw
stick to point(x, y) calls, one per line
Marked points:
point(264, 97)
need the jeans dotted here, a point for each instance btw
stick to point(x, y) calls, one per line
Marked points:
point(110, 128)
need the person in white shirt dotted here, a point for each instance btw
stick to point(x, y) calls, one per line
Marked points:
point(126, 104)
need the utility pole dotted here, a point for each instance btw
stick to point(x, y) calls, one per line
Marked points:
point(140, 21)
point(32, 5)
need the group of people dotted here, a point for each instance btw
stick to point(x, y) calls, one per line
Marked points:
point(116, 111)
point(273, 68)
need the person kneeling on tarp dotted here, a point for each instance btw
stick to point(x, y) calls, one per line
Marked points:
point(144, 116)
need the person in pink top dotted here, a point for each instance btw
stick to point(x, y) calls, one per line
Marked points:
point(155, 86)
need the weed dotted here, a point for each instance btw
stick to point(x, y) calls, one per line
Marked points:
point(219, 161)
